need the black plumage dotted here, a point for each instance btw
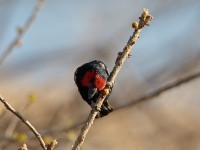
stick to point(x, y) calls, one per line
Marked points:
point(100, 69)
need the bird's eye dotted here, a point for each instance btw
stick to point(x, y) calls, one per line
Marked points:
point(97, 76)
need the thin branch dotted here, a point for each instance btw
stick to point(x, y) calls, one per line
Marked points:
point(163, 89)
point(30, 126)
point(23, 147)
point(135, 101)
point(22, 31)
point(143, 21)
point(52, 145)
point(14, 122)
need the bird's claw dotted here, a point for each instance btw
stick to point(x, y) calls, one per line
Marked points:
point(95, 107)
point(110, 85)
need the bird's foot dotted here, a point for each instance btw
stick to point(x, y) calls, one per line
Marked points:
point(95, 107)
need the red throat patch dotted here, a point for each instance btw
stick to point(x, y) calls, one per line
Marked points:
point(98, 81)
point(87, 78)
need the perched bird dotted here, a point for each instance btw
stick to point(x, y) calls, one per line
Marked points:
point(91, 78)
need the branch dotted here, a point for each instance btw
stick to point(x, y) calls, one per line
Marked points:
point(23, 147)
point(22, 31)
point(163, 89)
point(52, 145)
point(14, 122)
point(142, 98)
point(143, 21)
point(11, 109)
point(135, 101)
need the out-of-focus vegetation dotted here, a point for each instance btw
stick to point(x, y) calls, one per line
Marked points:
point(37, 78)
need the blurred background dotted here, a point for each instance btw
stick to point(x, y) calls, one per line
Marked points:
point(37, 78)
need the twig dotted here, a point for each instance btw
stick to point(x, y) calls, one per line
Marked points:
point(135, 101)
point(22, 31)
point(52, 145)
point(162, 89)
point(143, 21)
point(14, 122)
point(11, 109)
point(23, 147)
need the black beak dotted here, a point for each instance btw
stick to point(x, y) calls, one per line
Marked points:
point(91, 91)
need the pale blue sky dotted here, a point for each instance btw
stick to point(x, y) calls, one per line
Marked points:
point(68, 33)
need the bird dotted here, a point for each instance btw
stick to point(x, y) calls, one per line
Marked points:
point(91, 79)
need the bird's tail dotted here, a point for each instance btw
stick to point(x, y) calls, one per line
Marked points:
point(106, 108)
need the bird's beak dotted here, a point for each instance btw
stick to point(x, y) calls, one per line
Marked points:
point(91, 90)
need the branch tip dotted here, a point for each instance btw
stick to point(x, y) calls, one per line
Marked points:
point(121, 57)
point(52, 145)
point(145, 18)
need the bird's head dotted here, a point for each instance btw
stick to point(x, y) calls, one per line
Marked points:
point(94, 82)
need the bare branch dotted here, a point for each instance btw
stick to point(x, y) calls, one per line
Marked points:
point(144, 20)
point(163, 89)
point(14, 122)
point(22, 31)
point(23, 147)
point(30, 126)
point(135, 101)
point(52, 145)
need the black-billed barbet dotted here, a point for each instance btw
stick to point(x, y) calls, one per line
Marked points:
point(91, 79)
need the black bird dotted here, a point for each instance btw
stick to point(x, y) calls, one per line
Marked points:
point(91, 78)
